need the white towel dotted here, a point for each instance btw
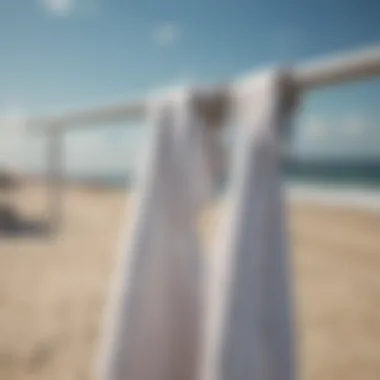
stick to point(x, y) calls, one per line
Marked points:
point(154, 321)
point(248, 333)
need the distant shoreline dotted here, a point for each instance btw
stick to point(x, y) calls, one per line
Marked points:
point(363, 173)
point(344, 192)
point(358, 198)
point(126, 181)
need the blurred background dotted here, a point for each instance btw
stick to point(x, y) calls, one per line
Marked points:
point(60, 55)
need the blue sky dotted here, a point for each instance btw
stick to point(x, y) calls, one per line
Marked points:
point(63, 54)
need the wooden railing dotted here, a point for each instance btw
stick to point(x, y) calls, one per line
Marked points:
point(342, 68)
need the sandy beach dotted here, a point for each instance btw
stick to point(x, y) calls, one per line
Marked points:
point(53, 290)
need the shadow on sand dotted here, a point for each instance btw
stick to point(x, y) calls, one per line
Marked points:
point(13, 225)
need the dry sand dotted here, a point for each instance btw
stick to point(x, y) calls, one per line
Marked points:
point(52, 291)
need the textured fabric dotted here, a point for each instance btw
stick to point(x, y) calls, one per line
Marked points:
point(248, 332)
point(154, 319)
point(155, 329)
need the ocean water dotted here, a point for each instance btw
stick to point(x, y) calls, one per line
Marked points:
point(330, 174)
point(355, 184)
point(364, 173)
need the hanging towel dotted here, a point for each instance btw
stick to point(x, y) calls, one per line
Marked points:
point(153, 324)
point(248, 331)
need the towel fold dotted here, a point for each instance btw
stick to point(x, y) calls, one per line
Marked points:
point(153, 326)
point(248, 331)
point(163, 322)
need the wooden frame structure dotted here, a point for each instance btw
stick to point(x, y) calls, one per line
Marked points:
point(343, 68)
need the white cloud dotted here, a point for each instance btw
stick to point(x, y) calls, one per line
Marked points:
point(59, 7)
point(14, 147)
point(104, 151)
point(12, 121)
point(338, 129)
point(66, 8)
point(355, 126)
point(315, 129)
point(166, 35)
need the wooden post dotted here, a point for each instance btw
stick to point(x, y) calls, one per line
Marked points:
point(55, 178)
